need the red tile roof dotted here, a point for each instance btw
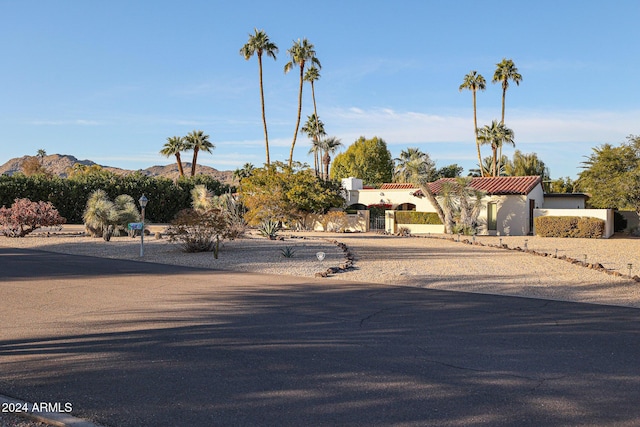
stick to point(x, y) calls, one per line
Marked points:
point(398, 186)
point(500, 185)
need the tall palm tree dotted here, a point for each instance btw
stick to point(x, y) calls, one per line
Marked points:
point(260, 44)
point(311, 76)
point(301, 52)
point(412, 161)
point(475, 82)
point(197, 141)
point(329, 146)
point(496, 135)
point(314, 128)
point(506, 70)
point(173, 147)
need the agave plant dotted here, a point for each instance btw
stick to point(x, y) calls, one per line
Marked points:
point(288, 252)
point(269, 229)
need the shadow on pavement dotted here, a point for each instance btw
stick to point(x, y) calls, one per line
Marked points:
point(328, 353)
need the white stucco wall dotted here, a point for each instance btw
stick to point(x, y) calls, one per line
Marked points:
point(393, 197)
point(513, 217)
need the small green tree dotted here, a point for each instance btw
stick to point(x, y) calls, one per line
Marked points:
point(367, 159)
point(449, 171)
point(287, 195)
point(561, 185)
point(526, 164)
point(611, 176)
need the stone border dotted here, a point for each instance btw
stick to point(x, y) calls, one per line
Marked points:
point(348, 264)
point(594, 266)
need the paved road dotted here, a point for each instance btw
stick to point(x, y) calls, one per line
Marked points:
point(136, 344)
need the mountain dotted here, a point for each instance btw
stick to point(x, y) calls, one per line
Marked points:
point(60, 164)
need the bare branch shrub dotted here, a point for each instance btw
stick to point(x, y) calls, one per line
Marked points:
point(25, 216)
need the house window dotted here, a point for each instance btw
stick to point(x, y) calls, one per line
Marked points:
point(492, 215)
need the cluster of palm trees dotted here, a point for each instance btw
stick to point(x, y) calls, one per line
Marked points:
point(195, 141)
point(303, 56)
point(496, 134)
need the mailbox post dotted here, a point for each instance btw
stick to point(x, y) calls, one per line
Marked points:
point(143, 204)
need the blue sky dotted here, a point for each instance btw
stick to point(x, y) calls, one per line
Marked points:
point(109, 81)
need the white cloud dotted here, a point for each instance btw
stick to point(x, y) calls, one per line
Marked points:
point(531, 126)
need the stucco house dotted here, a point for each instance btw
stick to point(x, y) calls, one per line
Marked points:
point(509, 206)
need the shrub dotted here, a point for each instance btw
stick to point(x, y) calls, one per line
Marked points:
point(413, 217)
point(334, 221)
point(69, 195)
point(25, 216)
point(569, 226)
point(201, 231)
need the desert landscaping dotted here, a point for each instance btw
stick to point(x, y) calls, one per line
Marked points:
point(549, 268)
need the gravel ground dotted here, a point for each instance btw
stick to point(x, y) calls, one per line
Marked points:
point(429, 261)
point(12, 420)
point(435, 262)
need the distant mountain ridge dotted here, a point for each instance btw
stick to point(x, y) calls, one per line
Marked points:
point(59, 165)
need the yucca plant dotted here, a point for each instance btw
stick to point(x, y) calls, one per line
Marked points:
point(127, 212)
point(269, 229)
point(100, 215)
point(104, 218)
point(201, 198)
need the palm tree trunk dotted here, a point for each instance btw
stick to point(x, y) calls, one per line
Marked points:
point(315, 112)
point(295, 135)
point(494, 165)
point(475, 127)
point(316, 163)
point(179, 162)
point(193, 164)
point(264, 117)
point(326, 159)
point(504, 95)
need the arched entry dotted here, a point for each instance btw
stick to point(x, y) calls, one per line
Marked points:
point(406, 207)
point(356, 207)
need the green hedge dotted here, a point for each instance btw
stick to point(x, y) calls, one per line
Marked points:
point(569, 226)
point(413, 217)
point(69, 195)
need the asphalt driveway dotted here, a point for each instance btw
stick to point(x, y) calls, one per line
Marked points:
point(139, 344)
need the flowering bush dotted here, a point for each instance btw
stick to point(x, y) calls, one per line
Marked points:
point(25, 216)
